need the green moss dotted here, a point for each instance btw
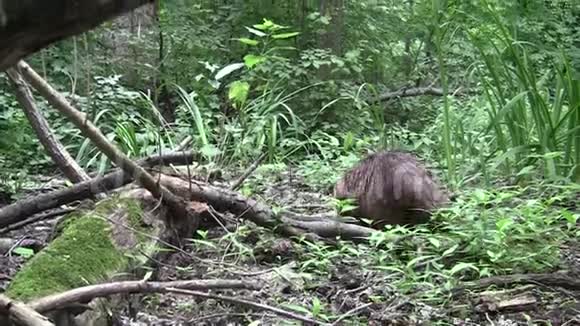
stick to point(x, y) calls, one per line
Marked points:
point(83, 254)
point(134, 212)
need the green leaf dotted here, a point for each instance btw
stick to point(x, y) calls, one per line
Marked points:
point(252, 60)
point(256, 32)
point(248, 41)
point(266, 25)
point(24, 252)
point(503, 224)
point(228, 70)
point(238, 93)
point(462, 266)
point(209, 150)
point(285, 35)
point(450, 250)
point(435, 242)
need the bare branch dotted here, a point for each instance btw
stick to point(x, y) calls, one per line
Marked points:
point(88, 293)
point(21, 313)
point(248, 172)
point(250, 304)
point(418, 91)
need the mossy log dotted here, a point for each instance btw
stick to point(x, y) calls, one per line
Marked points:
point(92, 246)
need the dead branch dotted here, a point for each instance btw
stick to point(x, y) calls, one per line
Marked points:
point(182, 220)
point(511, 300)
point(184, 143)
point(53, 147)
point(248, 172)
point(15, 212)
point(35, 219)
point(354, 311)
point(332, 229)
point(27, 26)
point(88, 293)
point(418, 91)
point(247, 303)
point(22, 314)
point(554, 279)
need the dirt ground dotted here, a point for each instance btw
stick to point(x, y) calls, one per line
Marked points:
point(348, 289)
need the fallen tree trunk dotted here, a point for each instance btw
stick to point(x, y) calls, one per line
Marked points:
point(23, 208)
point(27, 26)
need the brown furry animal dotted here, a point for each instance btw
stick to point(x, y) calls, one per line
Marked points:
point(391, 187)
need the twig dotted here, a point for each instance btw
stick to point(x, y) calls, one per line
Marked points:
point(351, 313)
point(250, 304)
point(184, 143)
point(419, 91)
point(247, 173)
point(35, 219)
point(220, 314)
point(87, 293)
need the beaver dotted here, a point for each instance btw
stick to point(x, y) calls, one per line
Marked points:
point(391, 187)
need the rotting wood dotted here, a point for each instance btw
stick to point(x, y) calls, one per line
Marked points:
point(521, 302)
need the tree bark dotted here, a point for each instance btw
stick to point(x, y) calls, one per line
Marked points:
point(333, 37)
point(27, 26)
point(53, 147)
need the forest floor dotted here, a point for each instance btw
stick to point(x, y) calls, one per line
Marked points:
point(347, 284)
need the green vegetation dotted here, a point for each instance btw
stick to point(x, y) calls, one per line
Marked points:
point(84, 253)
point(308, 83)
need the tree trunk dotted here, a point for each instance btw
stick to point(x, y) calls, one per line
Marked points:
point(333, 37)
point(54, 148)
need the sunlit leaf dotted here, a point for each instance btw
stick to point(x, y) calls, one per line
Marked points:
point(285, 35)
point(248, 41)
point(238, 93)
point(228, 70)
point(252, 60)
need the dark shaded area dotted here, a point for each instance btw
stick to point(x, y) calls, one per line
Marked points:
point(27, 26)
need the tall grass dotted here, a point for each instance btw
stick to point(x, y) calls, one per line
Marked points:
point(534, 112)
point(440, 8)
